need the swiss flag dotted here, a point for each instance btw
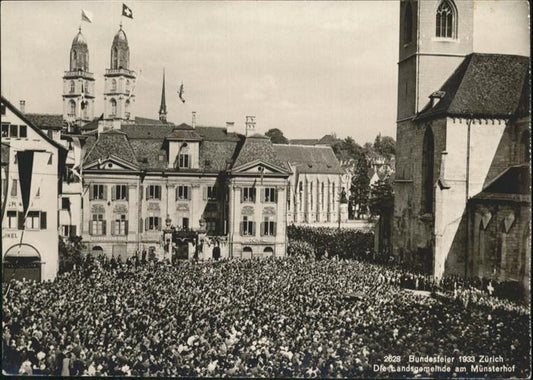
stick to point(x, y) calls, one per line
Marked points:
point(126, 11)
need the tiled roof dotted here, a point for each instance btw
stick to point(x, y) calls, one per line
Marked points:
point(92, 125)
point(156, 131)
point(149, 153)
point(303, 141)
point(184, 134)
point(46, 121)
point(512, 185)
point(144, 120)
point(483, 85)
point(310, 159)
point(328, 140)
point(217, 155)
point(259, 147)
point(111, 143)
point(4, 153)
point(217, 134)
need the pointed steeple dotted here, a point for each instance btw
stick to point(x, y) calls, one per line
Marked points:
point(163, 107)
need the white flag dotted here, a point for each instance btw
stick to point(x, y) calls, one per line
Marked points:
point(86, 16)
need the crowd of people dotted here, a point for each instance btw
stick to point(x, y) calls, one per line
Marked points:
point(273, 317)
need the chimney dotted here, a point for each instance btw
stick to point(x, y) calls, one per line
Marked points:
point(229, 126)
point(22, 106)
point(194, 119)
point(250, 124)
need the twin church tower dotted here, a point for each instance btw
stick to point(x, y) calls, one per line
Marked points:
point(78, 83)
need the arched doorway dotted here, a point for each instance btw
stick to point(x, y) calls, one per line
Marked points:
point(97, 251)
point(268, 251)
point(22, 261)
point(247, 253)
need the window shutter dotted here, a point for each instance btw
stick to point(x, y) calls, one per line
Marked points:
point(242, 194)
point(14, 188)
point(274, 228)
point(275, 195)
point(158, 192)
point(113, 193)
point(91, 192)
point(262, 195)
point(104, 222)
point(262, 229)
point(105, 193)
point(177, 192)
point(146, 224)
point(140, 224)
point(159, 224)
point(72, 230)
point(43, 220)
point(113, 227)
point(126, 227)
point(205, 192)
point(253, 228)
point(147, 191)
point(21, 221)
point(127, 192)
point(90, 227)
point(188, 193)
point(241, 228)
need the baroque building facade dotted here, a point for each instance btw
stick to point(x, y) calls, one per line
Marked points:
point(463, 125)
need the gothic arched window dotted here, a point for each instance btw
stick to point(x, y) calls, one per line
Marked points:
point(72, 87)
point(113, 103)
point(127, 85)
point(114, 85)
point(408, 23)
point(114, 58)
point(127, 109)
point(72, 108)
point(428, 153)
point(446, 19)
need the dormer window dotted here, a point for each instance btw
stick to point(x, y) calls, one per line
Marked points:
point(183, 161)
point(446, 19)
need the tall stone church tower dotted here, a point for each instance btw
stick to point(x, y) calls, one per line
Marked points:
point(119, 82)
point(78, 84)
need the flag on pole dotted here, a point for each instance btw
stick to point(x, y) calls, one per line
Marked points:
point(180, 93)
point(126, 11)
point(86, 16)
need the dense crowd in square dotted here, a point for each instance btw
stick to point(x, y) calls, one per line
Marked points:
point(274, 317)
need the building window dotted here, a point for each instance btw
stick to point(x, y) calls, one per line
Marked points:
point(113, 103)
point(248, 194)
point(211, 193)
point(127, 85)
point(68, 230)
point(120, 226)
point(211, 226)
point(185, 223)
point(72, 108)
point(120, 193)
point(525, 146)
point(153, 192)
point(247, 227)
point(65, 203)
point(114, 85)
point(445, 20)
point(35, 220)
point(14, 131)
point(98, 192)
point(183, 161)
point(14, 188)
point(97, 225)
point(428, 153)
point(269, 227)
point(11, 219)
point(5, 130)
point(322, 196)
point(127, 109)
point(310, 196)
point(408, 23)
point(270, 195)
point(289, 195)
point(153, 223)
point(72, 87)
point(182, 193)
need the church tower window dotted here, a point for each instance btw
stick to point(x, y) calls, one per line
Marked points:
point(72, 108)
point(114, 85)
point(427, 171)
point(113, 103)
point(72, 86)
point(446, 20)
point(408, 18)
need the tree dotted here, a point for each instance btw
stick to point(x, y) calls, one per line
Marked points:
point(70, 253)
point(381, 200)
point(359, 189)
point(276, 136)
point(385, 146)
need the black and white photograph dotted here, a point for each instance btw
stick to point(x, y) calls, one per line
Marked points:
point(266, 189)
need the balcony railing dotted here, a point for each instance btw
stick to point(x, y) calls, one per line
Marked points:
point(120, 72)
point(78, 73)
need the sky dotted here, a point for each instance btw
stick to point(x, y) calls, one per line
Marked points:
point(308, 68)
